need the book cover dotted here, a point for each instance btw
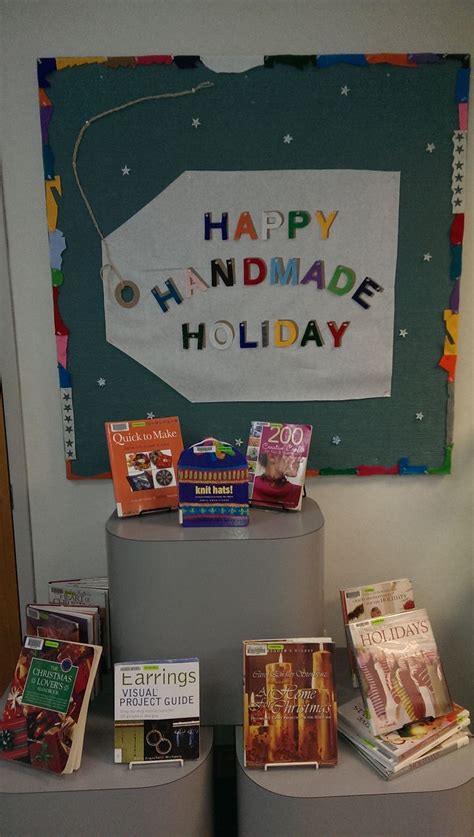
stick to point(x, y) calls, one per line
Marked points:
point(85, 593)
point(410, 740)
point(156, 710)
point(399, 670)
point(372, 600)
point(45, 713)
point(143, 459)
point(289, 702)
point(213, 485)
point(277, 456)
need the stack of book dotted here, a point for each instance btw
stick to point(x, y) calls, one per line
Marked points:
point(413, 745)
point(406, 716)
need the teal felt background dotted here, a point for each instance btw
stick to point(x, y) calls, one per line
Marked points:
point(385, 123)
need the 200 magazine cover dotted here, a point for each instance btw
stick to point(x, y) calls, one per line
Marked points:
point(289, 702)
point(277, 456)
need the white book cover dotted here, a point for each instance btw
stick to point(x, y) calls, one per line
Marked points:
point(156, 710)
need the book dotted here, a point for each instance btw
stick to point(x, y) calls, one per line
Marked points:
point(457, 740)
point(372, 600)
point(411, 740)
point(86, 592)
point(277, 456)
point(290, 704)
point(45, 714)
point(72, 624)
point(399, 670)
point(213, 485)
point(156, 710)
point(143, 459)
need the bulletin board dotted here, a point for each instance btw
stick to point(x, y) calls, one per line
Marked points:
point(258, 238)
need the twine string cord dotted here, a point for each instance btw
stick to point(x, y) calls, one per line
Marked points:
point(87, 124)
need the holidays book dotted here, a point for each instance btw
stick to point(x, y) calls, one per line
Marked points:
point(44, 719)
point(372, 600)
point(277, 456)
point(143, 459)
point(289, 702)
point(399, 670)
point(156, 710)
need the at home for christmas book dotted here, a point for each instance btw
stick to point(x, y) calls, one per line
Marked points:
point(399, 670)
point(289, 702)
point(44, 719)
point(156, 710)
point(143, 459)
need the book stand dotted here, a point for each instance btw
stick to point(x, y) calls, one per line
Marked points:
point(158, 762)
point(314, 764)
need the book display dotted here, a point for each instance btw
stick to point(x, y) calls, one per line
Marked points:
point(403, 720)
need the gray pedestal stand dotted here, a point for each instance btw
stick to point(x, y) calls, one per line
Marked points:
point(351, 800)
point(178, 592)
point(152, 801)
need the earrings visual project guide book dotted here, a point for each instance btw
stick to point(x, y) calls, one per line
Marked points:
point(44, 719)
point(399, 670)
point(143, 459)
point(289, 702)
point(277, 456)
point(156, 710)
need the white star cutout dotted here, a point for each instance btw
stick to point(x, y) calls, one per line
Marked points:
point(345, 90)
point(150, 415)
point(238, 442)
point(336, 440)
point(287, 139)
point(403, 332)
point(420, 416)
point(430, 147)
point(125, 170)
point(196, 122)
point(101, 382)
point(427, 257)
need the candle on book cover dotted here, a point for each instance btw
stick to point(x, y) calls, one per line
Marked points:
point(322, 681)
point(307, 724)
point(282, 714)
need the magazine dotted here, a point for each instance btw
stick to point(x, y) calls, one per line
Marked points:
point(86, 592)
point(156, 710)
point(289, 702)
point(372, 600)
point(44, 719)
point(277, 456)
point(409, 741)
point(143, 459)
point(399, 670)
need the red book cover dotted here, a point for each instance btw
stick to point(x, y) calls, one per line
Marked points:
point(277, 456)
point(44, 718)
point(143, 459)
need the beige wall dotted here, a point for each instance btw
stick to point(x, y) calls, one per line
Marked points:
point(376, 528)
